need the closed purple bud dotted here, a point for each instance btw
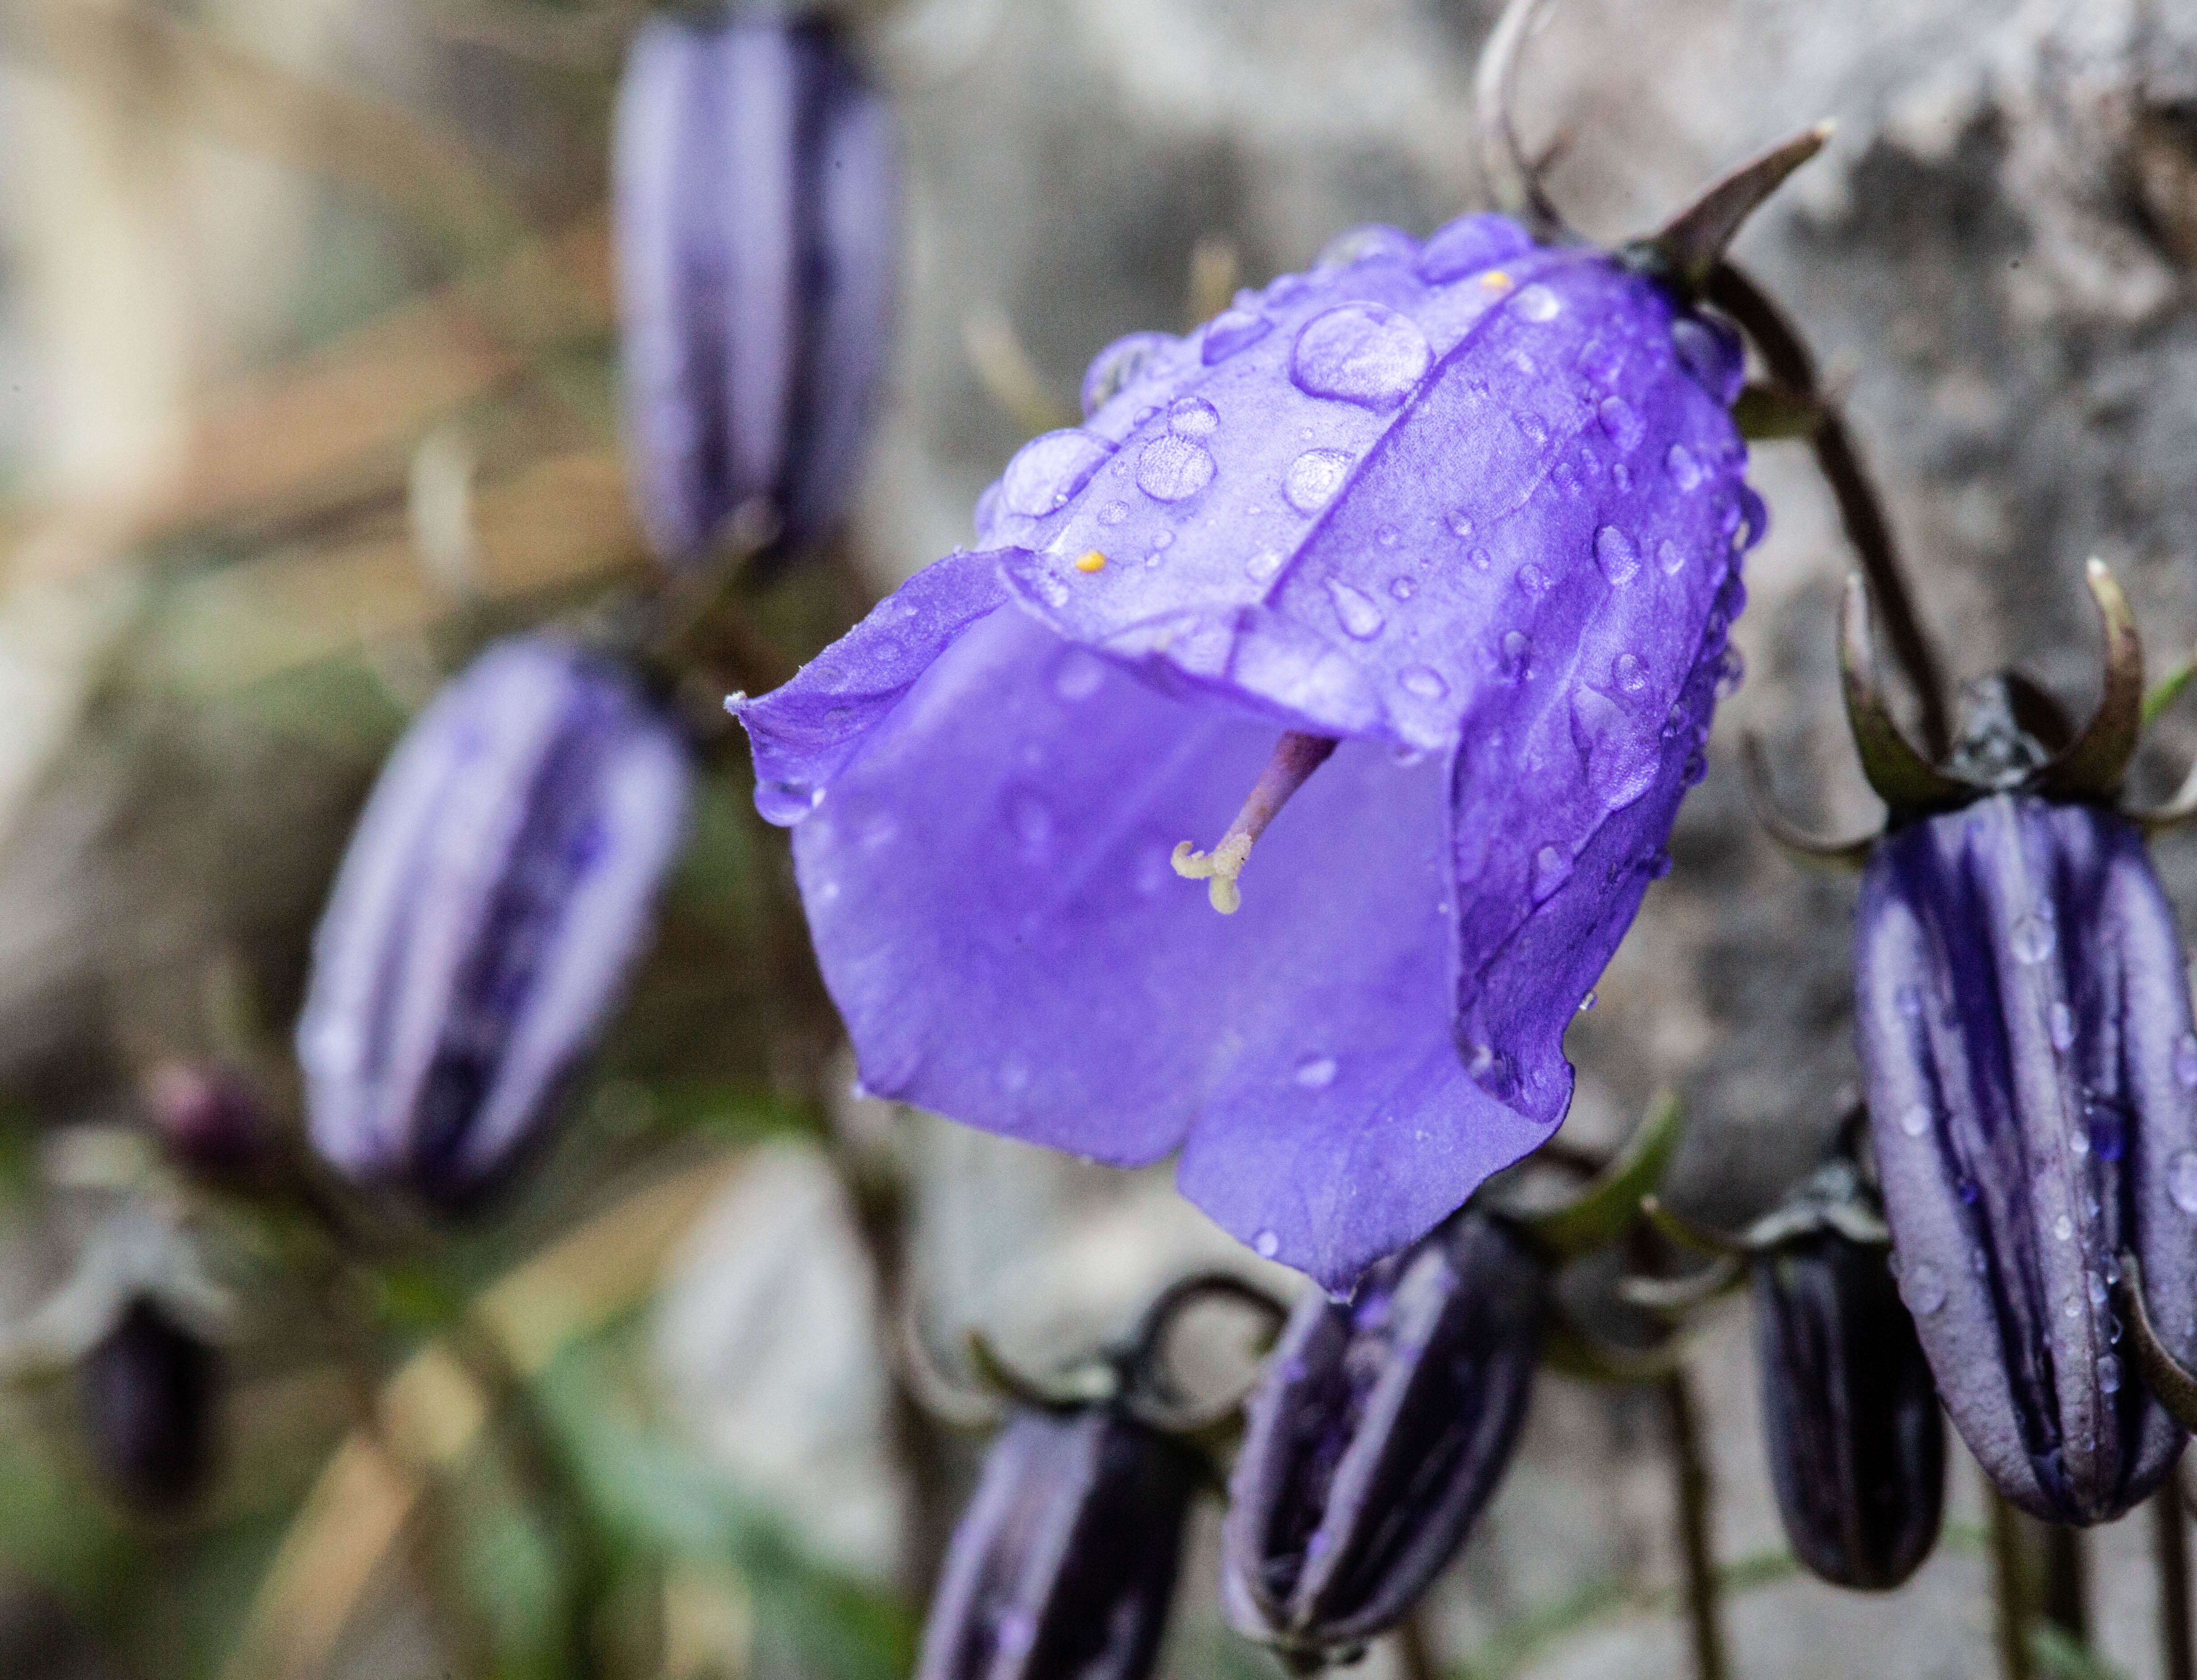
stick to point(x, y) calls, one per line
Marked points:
point(498, 889)
point(2023, 1013)
point(211, 1119)
point(148, 1389)
point(1379, 1430)
point(756, 193)
point(1857, 1445)
point(1064, 1566)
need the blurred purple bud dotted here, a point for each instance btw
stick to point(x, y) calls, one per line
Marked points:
point(148, 1389)
point(1380, 1428)
point(1857, 1445)
point(2023, 1013)
point(211, 1118)
point(1064, 1566)
point(498, 889)
point(756, 193)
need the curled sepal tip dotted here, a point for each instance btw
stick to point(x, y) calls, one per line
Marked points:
point(1902, 777)
point(1513, 182)
point(1674, 1297)
point(1796, 841)
point(2095, 763)
point(1693, 242)
point(1611, 1202)
point(2171, 1383)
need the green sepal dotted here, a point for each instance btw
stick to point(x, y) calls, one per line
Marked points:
point(1767, 413)
point(1570, 1351)
point(1606, 1208)
point(2166, 691)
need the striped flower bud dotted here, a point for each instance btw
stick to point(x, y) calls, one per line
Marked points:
point(1064, 1566)
point(1381, 1428)
point(498, 889)
point(148, 1388)
point(755, 197)
point(1856, 1446)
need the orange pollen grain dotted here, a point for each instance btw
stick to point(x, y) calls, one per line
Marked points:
point(1093, 561)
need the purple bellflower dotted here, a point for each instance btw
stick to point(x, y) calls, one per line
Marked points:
point(1456, 525)
point(755, 191)
point(1377, 1433)
point(1064, 1566)
point(149, 1388)
point(499, 885)
point(2023, 1014)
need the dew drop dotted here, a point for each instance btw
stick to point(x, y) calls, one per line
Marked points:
point(1316, 1073)
point(2079, 1142)
point(1621, 420)
point(1627, 672)
point(1402, 589)
point(2095, 1285)
point(2181, 1179)
point(1314, 477)
point(1621, 756)
point(2031, 940)
point(1536, 302)
point(1360, 353)
point(1232, 330)
point(1552, 869)
point(1077, 674)
point(1423, 680)
point(1914, 1119)
point(2109, 1132)
point(1267, 1244)
point(1459, 523)
point(1113, 513)
point(1533, 582)
point(2060, 1024)
point(2109, 1374)
point(1731, 671)
point(1685, 471)
point(1517, 649)
point(1588, 1002)
point(1121, 365)
point(1967, 1190)
point(1482, 559)
point(1711, 356)
point(1615, 552)
point(1051, 468)
point(1360, 616)
point(1670, 558)
point(1031, 820)
point(1924, 1287)
point(1173, 469)
point(1531, 425)
point(1261, 566)
point(1468, 246)
point(2063, 1228)
point(1193, 417)
point(2185, 1062)
point(2071, 1308)
point(1909, 1000)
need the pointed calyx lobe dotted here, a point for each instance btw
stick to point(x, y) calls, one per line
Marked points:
point(1473, 509)
point(2024, 1022)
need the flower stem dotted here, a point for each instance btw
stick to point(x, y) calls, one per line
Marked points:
point(1696, 1552)
point(1415, 1657)
point(2170, 1552)
point(2009, 1589)
point(2066, 1598)
point(1861, 508)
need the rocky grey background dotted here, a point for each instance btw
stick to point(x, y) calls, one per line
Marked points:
point(1994, 258)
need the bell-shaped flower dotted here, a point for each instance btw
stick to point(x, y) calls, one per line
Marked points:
point(756, 195)
point(1379, 1429)
point(2023, 1013)
point(500, 884)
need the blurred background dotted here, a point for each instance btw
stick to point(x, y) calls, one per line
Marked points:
point(308, 386)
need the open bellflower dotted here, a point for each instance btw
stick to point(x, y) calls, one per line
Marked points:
point(1064, 1566)
point(1856, 1446)
point(1459, 524)
point(2023, 1014)
point(756, 196)
point(1377, 1433)
point(499, 885)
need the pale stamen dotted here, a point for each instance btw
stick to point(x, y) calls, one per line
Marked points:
point(1295, 757)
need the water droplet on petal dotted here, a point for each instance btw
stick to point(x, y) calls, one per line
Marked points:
point(1359, 616)
point(1533, 581)
point(2185, 1062)
point(1909, 1000)
point(1459, 522)
point(1470, 246)
point(2109, 1374)
point(1914, 1119)
point(1261, 566)
point(1051, 468)
point(1710, 353)
point(1536, 302)
point(1621, 757)
point(2095, 1284)
point(1360, 353)
point(1423, 680)
point(1077, 674)
point(1173, 469)
point(1615, 552)
point(1369, 243)
point(2030, 939)
point(1517, 649)
point(1685, 471)
point(2109, 1132)
point(2079, 1142)
point(1669, 557)
point(1402, 589)
point(1314, 477)
point(1232, 330)
point(1267, 1244)
point(1193, 417)
point(1316, 1073)
point(1113, 513)
point(2063, 1228)
point(1731, 671)
point(1924, 1289)
point(1119, 366)
point(1588, 1002)
point(1031, 819)
point(1552, 869)
point(1629, 676)
point(1622, 421)
point(2060, 1024)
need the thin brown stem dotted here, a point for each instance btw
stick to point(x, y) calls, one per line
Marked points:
point(1415, 1657)
point(2169, 1538)
point(1696, 1548)
point(2009, 1586)
point(2065, 1601)
point(1861, 508)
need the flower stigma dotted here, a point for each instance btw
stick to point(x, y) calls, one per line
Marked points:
point(1295, 757)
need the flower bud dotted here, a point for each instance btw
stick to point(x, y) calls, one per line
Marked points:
point(148, 1390)
point(1064, 1566)
point(755, 198)
point(210, 1119)
point(2023, 1016)
point(1378, 1431)
point(1857, 1447)
point(499, 885)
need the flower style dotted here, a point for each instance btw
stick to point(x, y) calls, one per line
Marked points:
point(755, 198)
point(498, 886)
